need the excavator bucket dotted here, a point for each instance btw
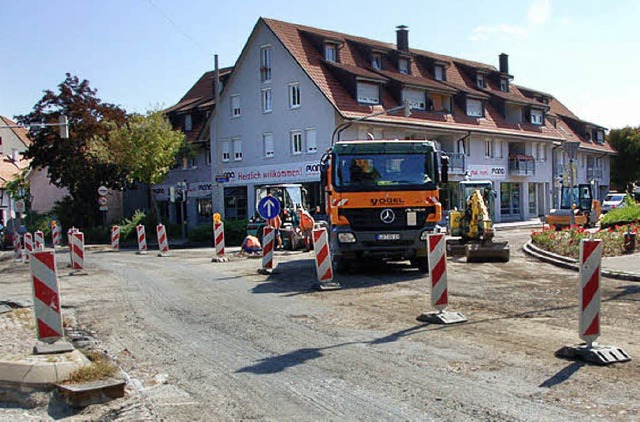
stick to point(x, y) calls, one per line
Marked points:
point(487, 252)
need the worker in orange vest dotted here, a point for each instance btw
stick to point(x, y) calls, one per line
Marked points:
point(306, 225)
point(276, 223)
point(250, 245)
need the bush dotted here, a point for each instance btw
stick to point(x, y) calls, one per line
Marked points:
point(621, 216)
point(202, 233)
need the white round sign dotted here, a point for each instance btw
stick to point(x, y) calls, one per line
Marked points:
point(102, 190)
point(102, 200)
point(20, 206)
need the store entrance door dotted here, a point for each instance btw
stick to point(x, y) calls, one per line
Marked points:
point(510, 201)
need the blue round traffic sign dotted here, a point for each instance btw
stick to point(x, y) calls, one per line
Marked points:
point(268, 207)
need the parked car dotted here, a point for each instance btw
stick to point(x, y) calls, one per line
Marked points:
point(613, 200)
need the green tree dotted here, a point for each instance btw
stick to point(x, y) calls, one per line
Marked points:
point(67, 161)
point(145, 148)
point(625, 167)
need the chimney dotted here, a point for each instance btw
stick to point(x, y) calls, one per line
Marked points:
point(402, 37)
point(504, 63)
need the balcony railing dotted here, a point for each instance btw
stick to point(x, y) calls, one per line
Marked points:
point(594, 173)
point(457, 162)
point(522, 165)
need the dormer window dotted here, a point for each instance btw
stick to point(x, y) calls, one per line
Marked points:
point(474, 108)
point(480, 82)
point(438, 72)
point(537, 117)
point(504, 85)
point(416, 97)
point(376, 61)
point(368, 93)
point(331, 52)
point(600, 136)
point(403, 65)
point(188, 125)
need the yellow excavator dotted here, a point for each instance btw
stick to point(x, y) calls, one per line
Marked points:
point(472, 224)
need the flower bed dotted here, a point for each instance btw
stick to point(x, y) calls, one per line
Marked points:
point(567, 242)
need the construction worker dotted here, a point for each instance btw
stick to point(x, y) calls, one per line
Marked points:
point(276, 223)
point(306, 225)
point(250, 246)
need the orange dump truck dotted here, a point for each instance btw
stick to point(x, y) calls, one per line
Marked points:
point(381, 199)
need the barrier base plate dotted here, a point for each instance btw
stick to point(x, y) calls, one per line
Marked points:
point(443, 317)
point(164, 254)
point(141, 253)
point(598, 354)
point(328, 285)
point(219, 259)
point(78, 272)
point(264, 271)
point(60, 346)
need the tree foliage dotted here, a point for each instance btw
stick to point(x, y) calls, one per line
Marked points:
point(67, 161)
point(625, 167)
point(155, 143)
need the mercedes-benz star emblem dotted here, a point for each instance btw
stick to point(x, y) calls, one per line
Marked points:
point(387, 216)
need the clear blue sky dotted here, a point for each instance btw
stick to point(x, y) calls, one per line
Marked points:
point(147, 53)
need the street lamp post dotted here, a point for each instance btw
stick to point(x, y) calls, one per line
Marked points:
point(571, 148)
point(182, 187)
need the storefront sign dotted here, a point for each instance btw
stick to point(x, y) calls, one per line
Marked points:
point(283, 173)
point(477, 172)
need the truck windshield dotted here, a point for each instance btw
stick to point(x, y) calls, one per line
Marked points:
point(388, 171)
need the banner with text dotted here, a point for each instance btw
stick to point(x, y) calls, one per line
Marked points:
point(277, 173)
point(481, 171)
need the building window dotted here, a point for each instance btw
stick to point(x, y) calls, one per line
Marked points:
point(331, 52)
point(541, 153)
point(267, 141)
point(439, 102)
point(416, 98)
point(403, 65)
point(368, 93)
point(480, 82)
point(504, 85)
point(600, 136)
point(188, 125)
point(266, 100)
point(235, 105)
point(207, 156)
point(474, 108)
point(224, 148)
point(536, 117)
point(488, 148)
point(311, 138)
point(497, 149)
point(296, 142)
point(237, 148)
point(294, 95)
point(438, 72)
point(205, 210)
point(265, 63)
point(376, 61)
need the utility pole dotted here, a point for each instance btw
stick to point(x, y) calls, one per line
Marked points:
point(571, 148)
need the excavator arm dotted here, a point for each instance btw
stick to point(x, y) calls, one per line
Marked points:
point(480, 223)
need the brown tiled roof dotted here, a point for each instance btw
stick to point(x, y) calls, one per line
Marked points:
point(304, 45)
point(10, 170)
point(200, 95)
point(21, 133)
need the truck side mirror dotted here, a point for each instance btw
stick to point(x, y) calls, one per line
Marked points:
point(444, 169)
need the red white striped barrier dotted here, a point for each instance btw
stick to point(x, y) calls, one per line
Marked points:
point(437, 257)
point(324, 269)
point(589, 304)
point(115, 238)
point(46, 296)
point(70, 233)
point(17, 247)
point(163, 242)
point(142, 238)
point(438, 270)
point(268, 240)
point(77, 250)
point(589, 296)
point(28, 245)
point(218, 237)
point(56, 234)
point(38, 237)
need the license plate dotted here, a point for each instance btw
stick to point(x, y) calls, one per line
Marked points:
point(388, 236)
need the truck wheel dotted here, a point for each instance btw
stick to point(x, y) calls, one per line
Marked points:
point(422, 264)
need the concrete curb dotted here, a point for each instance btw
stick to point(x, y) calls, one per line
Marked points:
point(36, 371)
point(572, 264)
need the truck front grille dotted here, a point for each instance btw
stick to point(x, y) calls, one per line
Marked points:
point(368, 219)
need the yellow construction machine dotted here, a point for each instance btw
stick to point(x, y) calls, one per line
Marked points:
point(472, 223)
